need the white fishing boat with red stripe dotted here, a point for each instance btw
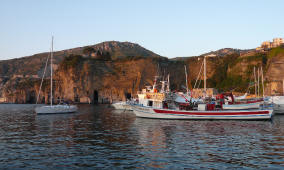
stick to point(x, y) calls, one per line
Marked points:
point(153, 104)
point(150, 112)
point(162, 105)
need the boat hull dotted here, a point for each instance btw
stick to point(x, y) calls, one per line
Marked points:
point(148, 112)
point(56, 109)
point(121, 106)
point(278, 103)
point(241, 106)
point(278, 108)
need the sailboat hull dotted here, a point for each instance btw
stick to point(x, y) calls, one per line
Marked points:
point(55, 109)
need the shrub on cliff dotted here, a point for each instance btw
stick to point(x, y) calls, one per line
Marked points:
point(129, 58)
point(71, 61)
point(88, 51)
point(103, 55)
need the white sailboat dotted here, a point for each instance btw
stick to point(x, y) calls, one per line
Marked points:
point(53, 109)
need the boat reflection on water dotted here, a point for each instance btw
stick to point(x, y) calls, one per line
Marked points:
point(215, 144)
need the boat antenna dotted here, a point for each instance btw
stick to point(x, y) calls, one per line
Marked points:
point(158, 70)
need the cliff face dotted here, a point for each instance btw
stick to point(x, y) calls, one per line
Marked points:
point(15, 73)
point(274, 72)
point(81, 77)
point(105, 81)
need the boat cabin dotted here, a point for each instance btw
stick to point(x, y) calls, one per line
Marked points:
point(151, 99)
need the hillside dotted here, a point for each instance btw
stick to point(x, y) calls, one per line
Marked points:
point(34, 64)
point(113, 70)
point(227, 51)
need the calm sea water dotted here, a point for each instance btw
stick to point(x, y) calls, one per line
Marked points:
point(98, 137)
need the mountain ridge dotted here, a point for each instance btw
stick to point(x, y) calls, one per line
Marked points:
point(99, 73)
point(35, 63)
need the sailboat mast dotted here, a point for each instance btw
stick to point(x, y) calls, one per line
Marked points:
point(186, 79)
point(46, 64)
point(258, 81)
point(254, 81)
point(51, 58)
point(205, 75)
point(283, 86)
point(262, 82)
point(168, 88)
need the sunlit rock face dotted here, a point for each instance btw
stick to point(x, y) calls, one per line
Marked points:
point(113, 71)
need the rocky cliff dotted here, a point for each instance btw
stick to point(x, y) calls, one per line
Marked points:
point(114, 71)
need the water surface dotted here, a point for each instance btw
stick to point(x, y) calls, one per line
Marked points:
point(100, 137)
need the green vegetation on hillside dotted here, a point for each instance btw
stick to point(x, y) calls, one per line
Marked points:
point(275, 51)
point(71, 61)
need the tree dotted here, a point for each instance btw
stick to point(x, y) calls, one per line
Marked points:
point(88, 51)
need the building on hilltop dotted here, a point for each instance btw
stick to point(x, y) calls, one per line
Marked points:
point(277, 42)
point(266, 45)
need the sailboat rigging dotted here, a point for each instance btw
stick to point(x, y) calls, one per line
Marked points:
point(51, 109)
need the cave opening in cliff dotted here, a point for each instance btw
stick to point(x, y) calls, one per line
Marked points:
point(96, 97)
point(31, 98)
point(128, 96)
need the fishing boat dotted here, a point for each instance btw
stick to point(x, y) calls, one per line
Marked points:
point(53, 109)
point(154, 104)
point(150, 112)
point(159, 105)
point(122, 105)
point(277, 101)
point(230, 103)
point(162, 105)
point(278, 104)
point(242, 106)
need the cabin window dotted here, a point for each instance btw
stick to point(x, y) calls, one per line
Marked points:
point(150, 103)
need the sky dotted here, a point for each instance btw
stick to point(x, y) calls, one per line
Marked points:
point(171, 28)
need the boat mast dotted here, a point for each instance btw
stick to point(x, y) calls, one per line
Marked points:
point(283, 85)
point(254, 81)
point(155, 83)
point(51, 58)
point(258, 82)
point(42, 78)
point(262, 82)
point(168, 87)
point(204, 75)
point(186, 79)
